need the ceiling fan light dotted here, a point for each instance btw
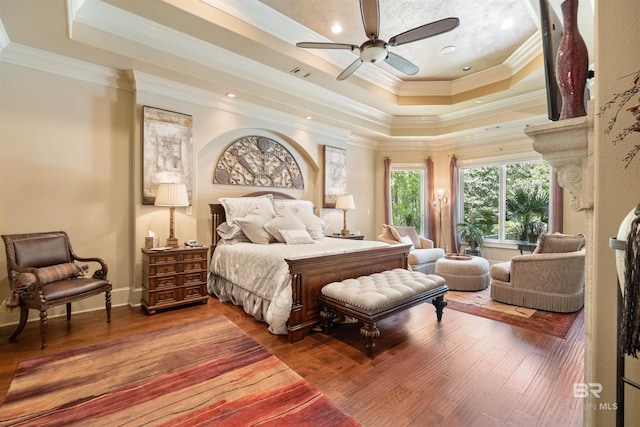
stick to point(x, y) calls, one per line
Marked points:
point(373, 54)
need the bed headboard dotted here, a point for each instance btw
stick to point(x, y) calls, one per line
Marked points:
point(218, 215)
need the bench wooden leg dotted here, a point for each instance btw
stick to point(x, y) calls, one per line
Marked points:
point(440, 303)
point(327, 314)
point(369, 332)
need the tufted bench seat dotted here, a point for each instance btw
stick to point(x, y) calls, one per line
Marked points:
point(379, 295)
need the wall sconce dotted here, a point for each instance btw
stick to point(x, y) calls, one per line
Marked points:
point(439, 203)
point(345, 203)
point(172, 195)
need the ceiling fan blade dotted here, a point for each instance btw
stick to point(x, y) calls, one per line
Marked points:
point(401, 64)
point(350, 69)
point(319, 45)
point(424, 31)
point(370, 10)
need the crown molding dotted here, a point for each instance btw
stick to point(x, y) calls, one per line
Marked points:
point(49, 62)
point(488, 110)
point(278, 120)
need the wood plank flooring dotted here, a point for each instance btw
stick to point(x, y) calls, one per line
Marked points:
point(465, 371)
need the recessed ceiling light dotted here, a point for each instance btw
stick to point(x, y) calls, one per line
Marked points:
point(448, 50)
point(231, 95)
point(466, 68)
point(336, 28)
point(506, 24)
point(479, 101)
point(308, 117)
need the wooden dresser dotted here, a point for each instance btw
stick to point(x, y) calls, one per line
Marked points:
point(173, 277)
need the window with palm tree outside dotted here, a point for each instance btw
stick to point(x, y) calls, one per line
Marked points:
point(407, 197)
point(507, 201)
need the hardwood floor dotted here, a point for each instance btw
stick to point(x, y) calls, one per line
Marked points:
point(466, 371)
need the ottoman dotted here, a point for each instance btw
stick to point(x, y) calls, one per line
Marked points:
point(464, 272)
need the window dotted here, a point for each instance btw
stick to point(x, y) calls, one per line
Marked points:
point(507, 201)
point(407, 197)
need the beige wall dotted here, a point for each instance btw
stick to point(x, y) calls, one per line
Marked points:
point(65, 160)
point(616, 190)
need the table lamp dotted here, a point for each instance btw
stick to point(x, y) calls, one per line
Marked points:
point(345, 203)
point(172, 195)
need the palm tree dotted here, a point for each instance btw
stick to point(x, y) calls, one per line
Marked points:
point(528, 211)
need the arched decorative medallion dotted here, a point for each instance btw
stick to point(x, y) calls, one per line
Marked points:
point(258, 161)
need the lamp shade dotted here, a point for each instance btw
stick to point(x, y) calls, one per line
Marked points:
point(345, 202)
point(170, 194)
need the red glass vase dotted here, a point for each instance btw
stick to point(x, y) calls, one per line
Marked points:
point(572, 64)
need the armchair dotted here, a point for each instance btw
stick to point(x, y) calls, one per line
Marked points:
point(42, 273)
point(550, 279)
point(422, 256)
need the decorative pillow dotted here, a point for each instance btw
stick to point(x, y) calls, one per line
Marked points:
point(228, 231)
point(410, 232)
point(390, 233)
point(252, 226)
point(239, 207)
point(285, 220)
point(48, 274)
point(407, 240)
point(296, 237)
point(559, 243)
point(315, 225)
point(294, 205)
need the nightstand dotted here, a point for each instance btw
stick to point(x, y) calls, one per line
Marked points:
point(348, 236)
point(173, 277)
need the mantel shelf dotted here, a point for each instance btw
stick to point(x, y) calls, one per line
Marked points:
point(566, 145)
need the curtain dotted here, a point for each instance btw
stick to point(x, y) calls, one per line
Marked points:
point(430, 232)
point(387, 190)
point(453, 205)
point(557, 212)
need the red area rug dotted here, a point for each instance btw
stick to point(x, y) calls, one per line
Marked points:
point(201, 373)
point(480, 304)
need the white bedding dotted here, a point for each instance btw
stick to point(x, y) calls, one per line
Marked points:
point(256, 276)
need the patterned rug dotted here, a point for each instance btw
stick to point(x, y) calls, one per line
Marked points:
point(200, 373)
point(480, 304)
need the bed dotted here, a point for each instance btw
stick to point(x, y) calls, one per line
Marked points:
point(279, 283)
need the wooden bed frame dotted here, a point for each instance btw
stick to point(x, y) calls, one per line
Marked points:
point(310, 274)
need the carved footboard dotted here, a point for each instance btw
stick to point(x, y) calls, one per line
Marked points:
point(310, 274)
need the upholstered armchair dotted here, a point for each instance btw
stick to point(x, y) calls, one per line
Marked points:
point(422, 256)
point(42, 273)
point(550, 279)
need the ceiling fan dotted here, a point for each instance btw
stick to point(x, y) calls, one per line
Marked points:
point(375, 50)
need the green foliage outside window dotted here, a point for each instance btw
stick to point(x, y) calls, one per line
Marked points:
point(482, 198)
point(526, 199)
point(406, 198)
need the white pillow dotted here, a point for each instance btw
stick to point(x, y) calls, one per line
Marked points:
point(285, 220)
point(296, 237)
point(229, 233)
point(239, 207)
point(252, 225)
point(407, 241)
point(294, 205)
point(315, 225)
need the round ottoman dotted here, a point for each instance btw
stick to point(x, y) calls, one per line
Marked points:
point(464, 272)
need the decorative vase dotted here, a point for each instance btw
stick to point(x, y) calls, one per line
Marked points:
point(572, 63)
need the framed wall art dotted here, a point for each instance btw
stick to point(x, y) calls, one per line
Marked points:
point(335, 175)
point(167, 150)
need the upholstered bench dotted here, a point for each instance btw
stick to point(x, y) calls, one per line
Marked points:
point(379, 295)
